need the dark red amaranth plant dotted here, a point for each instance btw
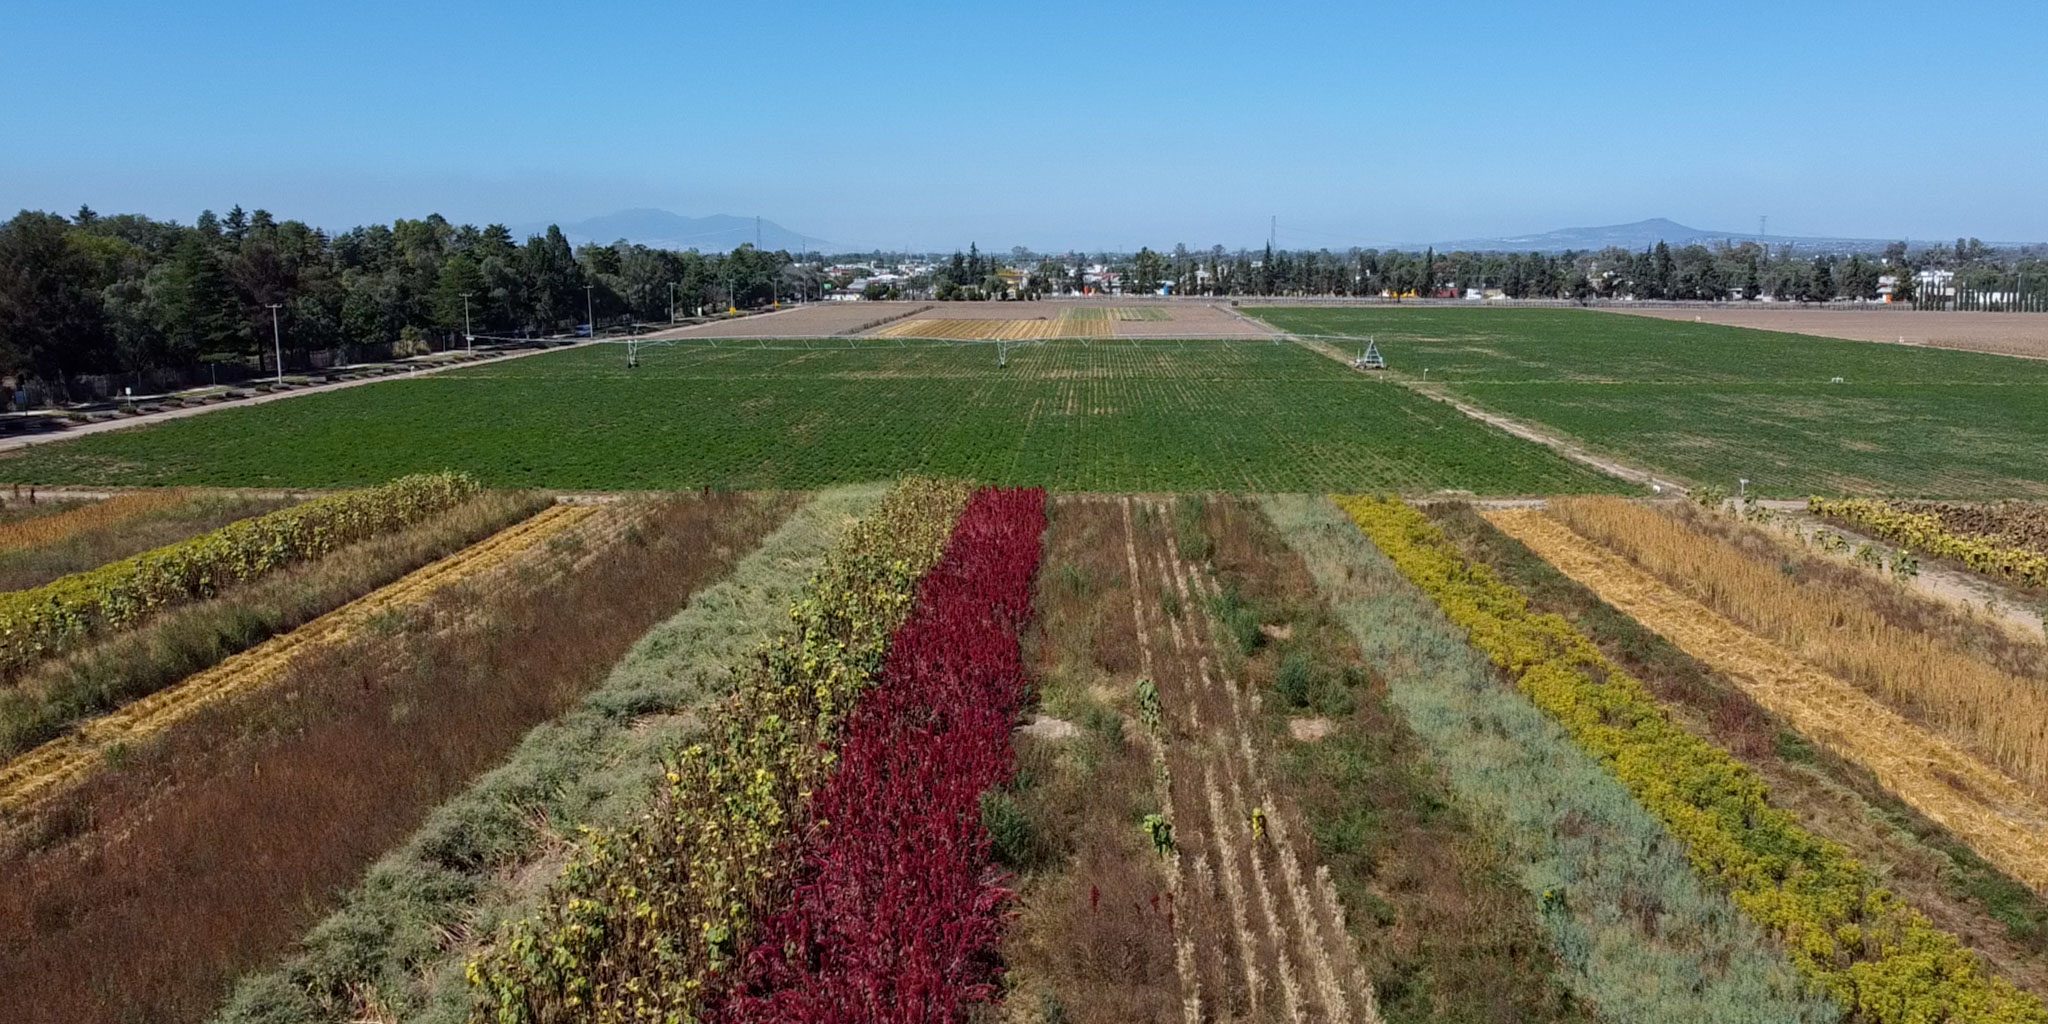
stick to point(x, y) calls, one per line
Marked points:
point(897, 910)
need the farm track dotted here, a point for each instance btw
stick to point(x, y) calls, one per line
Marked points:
point(1982, 806)
point(1260, 934)
point(35, 778)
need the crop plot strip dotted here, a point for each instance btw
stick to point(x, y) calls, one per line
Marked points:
point(895, 912)
point(225, 839)
point(39, 775)
point(1844, 931)
point(1267, 938)
point(649, 918)
point(98, 515)
point(1986, 808)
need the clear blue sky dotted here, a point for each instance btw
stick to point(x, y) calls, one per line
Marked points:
point(1049, 125)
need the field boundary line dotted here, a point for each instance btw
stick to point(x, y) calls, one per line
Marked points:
point(38, 776)
point(1513, 427)
point(1981, 805)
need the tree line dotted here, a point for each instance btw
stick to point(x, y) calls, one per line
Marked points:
point(92, 294)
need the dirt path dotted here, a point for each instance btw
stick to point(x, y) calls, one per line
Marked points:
point(1265, 936)
point(40, 775)
point(1657, 483)
point(105, 426)
point(1981, 805)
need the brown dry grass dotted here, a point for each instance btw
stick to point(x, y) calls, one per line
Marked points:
point(1448, 934)
point(1995, 815)
point(2000, 716)
point(93, 535)
point(1093, 937)
point(221, 843)
point(40, 530)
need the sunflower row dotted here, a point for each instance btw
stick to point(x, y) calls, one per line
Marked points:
point(1925, 532)
point(649, 918)
point(1846, 933)
point(55, 617)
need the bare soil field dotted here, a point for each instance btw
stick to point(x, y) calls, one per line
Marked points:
point(2008, 334)
point(816, 320)
point(1071, 318)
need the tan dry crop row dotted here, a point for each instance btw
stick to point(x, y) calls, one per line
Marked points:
point(51, 529)
point(1986, 808)
point(41, 774)
point(1995, 714)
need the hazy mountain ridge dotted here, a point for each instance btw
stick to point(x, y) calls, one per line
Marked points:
point(1645, 233)
point(660, 229)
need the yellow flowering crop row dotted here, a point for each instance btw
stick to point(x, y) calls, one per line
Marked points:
point(46, 620)
point(1926, 533)
point(1881, 959)
point(646, 916)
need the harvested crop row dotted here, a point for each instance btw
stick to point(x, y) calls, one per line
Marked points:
point(648, 918)
point(58, 616)
point(1588, 858)
point(97, 515)
point(226, 838)
point(1982, 806)
point(1995, 915)
point(1847, 933)
point(1999, 717)
point(2009, 541)
point(399, 943)
point(896, 912)
point(43, 773)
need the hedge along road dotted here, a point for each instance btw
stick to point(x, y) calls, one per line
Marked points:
point(1072, 415)
point(151, 419)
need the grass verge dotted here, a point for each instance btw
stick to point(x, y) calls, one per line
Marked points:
point(1637, 932)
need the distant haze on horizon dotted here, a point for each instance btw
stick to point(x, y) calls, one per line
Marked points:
point(931, 126)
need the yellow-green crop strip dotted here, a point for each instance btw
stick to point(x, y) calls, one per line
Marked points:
point(1881, 959)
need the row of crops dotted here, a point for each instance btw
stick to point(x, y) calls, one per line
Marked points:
point(1879, 958)
point(2007, 540)
point(938, 752)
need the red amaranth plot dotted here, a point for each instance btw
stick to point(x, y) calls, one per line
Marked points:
point(898, 909)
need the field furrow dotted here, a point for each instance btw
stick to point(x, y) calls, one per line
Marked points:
point(37, 776)
point(1264, 948)
point(1984, 807)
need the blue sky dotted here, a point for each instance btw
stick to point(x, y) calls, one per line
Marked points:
point(936, 124)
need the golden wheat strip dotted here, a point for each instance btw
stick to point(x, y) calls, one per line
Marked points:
point(1984, 807)
point(99, 515)
point(54, 767)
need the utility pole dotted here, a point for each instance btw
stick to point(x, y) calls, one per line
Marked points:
point(277, 340)
point(671, 302)
point(468, 336)
point(588, 307)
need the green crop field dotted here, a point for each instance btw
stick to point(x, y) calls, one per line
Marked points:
point(1711, 404)
point(1164, 416)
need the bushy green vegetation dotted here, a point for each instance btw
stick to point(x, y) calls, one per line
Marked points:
point(1712, 404)
point(1232, 416)
point(1638, 933)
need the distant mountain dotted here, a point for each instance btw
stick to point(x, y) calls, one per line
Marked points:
point(1645, 233)
point(661, 229)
